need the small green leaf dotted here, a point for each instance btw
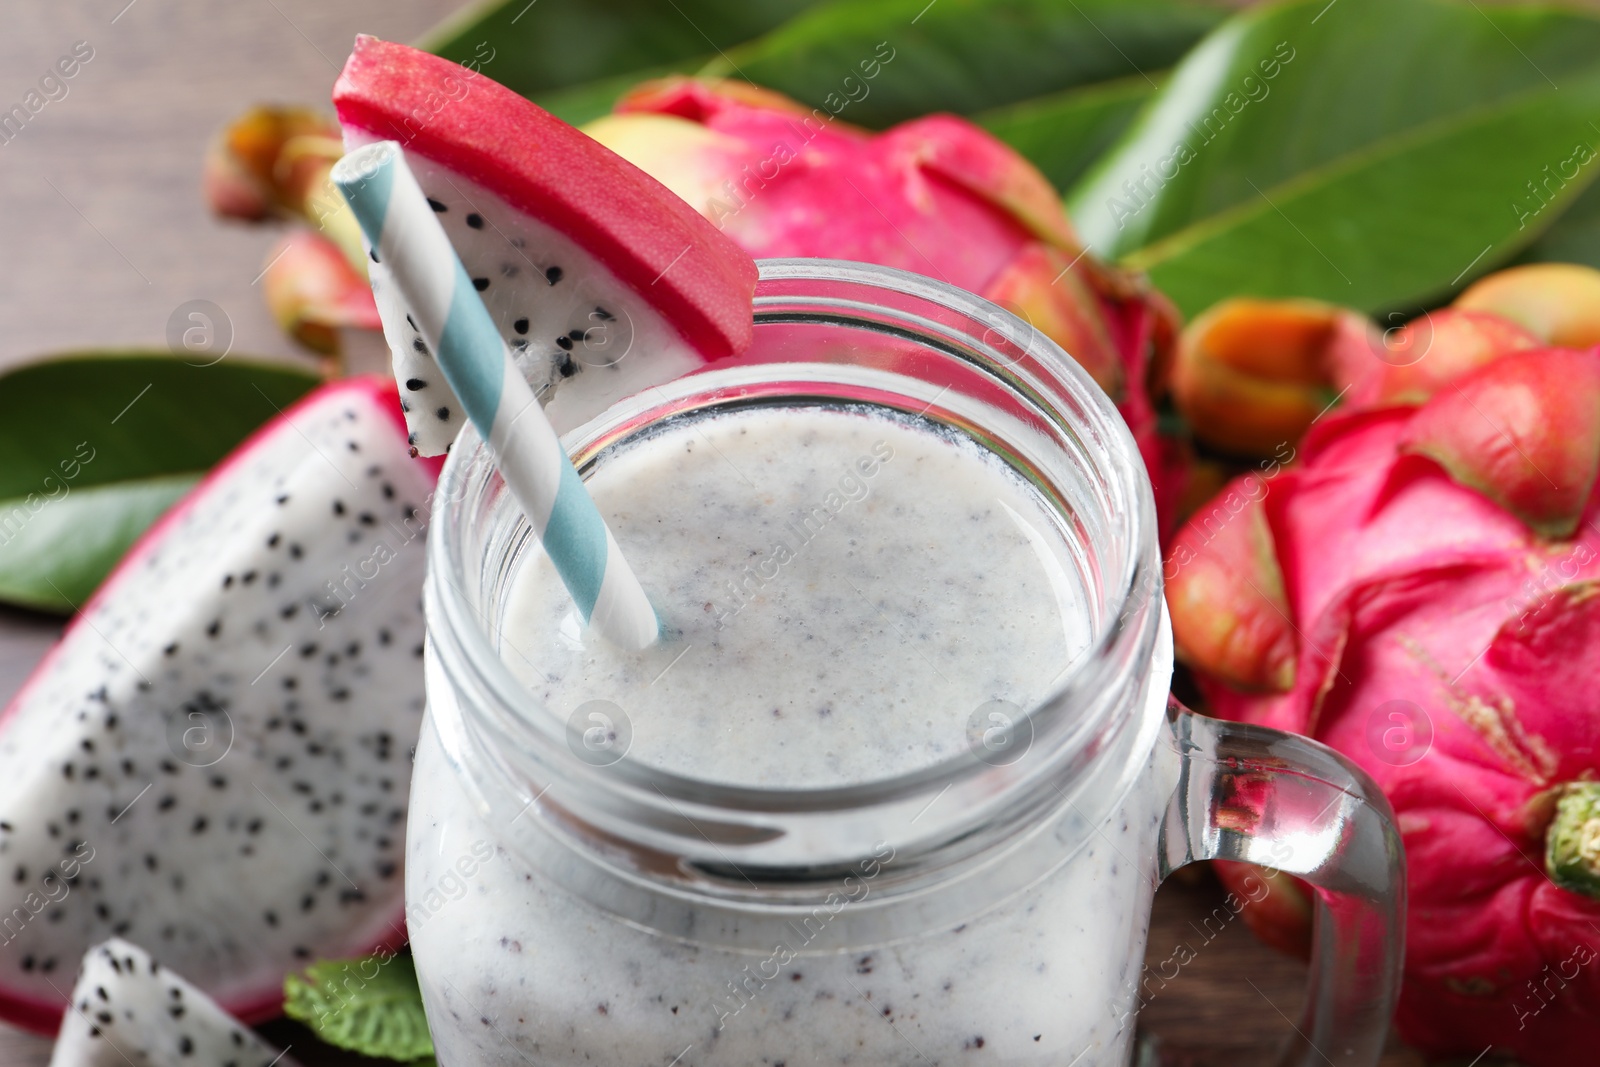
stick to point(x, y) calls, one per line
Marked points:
point(1062, 134)
point(1373, 153)
point(370, 1005)
point(537, 48)
point(962, 55)
point(94, 446)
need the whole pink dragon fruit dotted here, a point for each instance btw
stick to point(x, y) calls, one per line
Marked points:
point(936, 195)
point(1420, 589)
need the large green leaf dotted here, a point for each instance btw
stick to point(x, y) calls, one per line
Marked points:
point(94, 446)
point(1385, 159)
point(1064, 133)
point(962, 55)
point(535, 48)
point(1575, 236)
point(579, 104)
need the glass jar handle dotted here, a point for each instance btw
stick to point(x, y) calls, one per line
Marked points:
point(1289, 803)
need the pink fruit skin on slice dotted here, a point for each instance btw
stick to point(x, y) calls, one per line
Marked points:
point(372, 395)
point(652, 241)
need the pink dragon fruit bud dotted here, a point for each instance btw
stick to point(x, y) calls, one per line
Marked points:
point(313, 292)
point(1557, 302)
point(274, 161)
point(1448, 647)
point(1252, 375)
point(1225, 592)
point(242, 177)
point(232, 190)
point(1418, 359)
point(1040, 287)
point(1524, 431)
point(936, 195)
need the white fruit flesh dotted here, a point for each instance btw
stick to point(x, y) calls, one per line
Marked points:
point(582, 337)
point(129, 1011)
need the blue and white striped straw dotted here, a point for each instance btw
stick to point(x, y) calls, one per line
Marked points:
point(450, 315)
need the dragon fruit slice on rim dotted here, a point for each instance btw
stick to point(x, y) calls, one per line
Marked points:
point(213, 760)
point(600, 280)
point(127, 1009)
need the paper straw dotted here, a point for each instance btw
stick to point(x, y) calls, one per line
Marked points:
point(448, 312)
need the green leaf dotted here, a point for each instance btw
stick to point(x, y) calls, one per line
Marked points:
point(1062, 134)
point(962, 55)
point(370, 1005)
point(535, 48)
point(94, 446)
point(587, 102)
point(53, 553)
point(1574, 237)
point(1375, 153)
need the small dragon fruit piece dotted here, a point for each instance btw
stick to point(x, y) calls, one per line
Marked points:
point(129, 1011)
point(1524, 431)
point(212, 761)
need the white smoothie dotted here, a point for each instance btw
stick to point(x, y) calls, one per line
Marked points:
point(841, 594)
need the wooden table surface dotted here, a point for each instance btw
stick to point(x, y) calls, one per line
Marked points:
point(104, 234)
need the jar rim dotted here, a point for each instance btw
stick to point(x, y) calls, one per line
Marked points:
point(1130, 606)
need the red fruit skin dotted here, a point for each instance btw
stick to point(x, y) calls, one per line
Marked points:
point(697, 278)
point(1414, 595)
point(45, 1017)
point(1424, 356)
point(1524, 430)
point(1226, 592)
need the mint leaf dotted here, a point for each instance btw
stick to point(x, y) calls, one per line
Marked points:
point(370, 1005)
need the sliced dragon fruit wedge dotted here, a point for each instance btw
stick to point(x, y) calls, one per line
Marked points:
point(212, 762)
point(602, 281)
point(129, 1011)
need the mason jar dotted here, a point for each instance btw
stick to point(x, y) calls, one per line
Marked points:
point(567, 905)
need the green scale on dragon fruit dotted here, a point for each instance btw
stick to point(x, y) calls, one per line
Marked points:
point(601, 280)
point(129, 1011)
point(213, 761)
